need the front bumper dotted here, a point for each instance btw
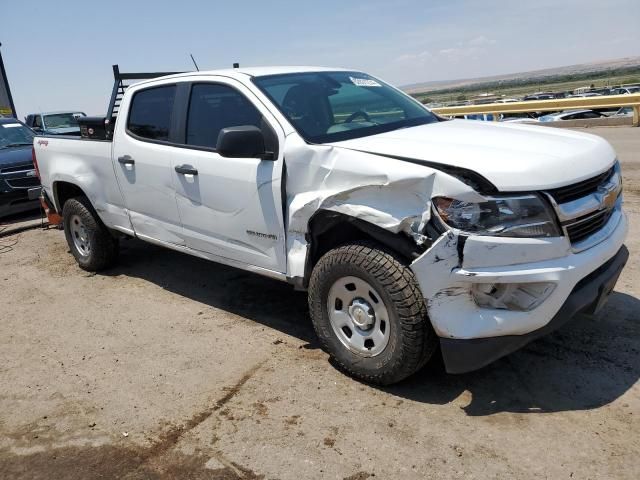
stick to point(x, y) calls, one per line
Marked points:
point(447, 272)
point(462, 356)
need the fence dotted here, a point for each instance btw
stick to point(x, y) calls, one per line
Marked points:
point(605, 101)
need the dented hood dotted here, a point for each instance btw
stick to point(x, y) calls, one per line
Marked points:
point(512, 157)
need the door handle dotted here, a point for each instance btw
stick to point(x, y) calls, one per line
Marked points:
point(186, 170)
point(126, 160)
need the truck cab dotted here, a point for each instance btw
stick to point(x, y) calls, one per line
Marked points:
point(408, 231)
point(55, 123)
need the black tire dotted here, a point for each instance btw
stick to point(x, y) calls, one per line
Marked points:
point(102, 251)
point(412, 340)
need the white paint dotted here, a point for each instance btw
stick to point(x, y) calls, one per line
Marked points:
point(512, 157)
point(232, 212)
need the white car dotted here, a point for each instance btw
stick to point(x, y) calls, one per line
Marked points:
point(409, 231)
point(570, 115)
point(625, 90)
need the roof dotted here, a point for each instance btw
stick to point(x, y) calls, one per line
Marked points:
point(263, 71)
point(251, 72)
point(57, 112)
point(9, 120)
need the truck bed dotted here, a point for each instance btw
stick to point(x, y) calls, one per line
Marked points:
point(87, 164)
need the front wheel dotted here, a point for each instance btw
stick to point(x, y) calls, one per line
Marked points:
point(90, 242)
point(369, 313)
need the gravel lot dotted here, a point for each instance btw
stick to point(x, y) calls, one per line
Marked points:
point(172, 367)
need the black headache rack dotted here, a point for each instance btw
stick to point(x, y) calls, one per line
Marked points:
point(101, 128)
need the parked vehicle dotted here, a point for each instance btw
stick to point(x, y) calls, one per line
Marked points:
point(526, 117)
point(406, 229)
point(539, 96)
point(622, 112)
point(55, 123)
point(625, 90)
point(19, 185)
point(483, 117)
point(571, 115)
point(585, 95)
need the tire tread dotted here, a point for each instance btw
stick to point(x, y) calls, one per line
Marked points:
point(104, 248)
point(419, 341)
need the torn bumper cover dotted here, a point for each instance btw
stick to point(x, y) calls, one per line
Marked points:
point(473, 336)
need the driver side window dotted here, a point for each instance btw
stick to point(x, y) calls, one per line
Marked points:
point(213, 107)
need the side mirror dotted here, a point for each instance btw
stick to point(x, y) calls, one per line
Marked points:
point(245, 141)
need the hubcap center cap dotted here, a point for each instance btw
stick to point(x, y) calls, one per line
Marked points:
point(362, 314)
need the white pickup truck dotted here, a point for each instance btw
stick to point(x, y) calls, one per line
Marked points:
point(409, 231)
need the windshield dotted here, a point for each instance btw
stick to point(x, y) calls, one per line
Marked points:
point(334, 106)
point(62, 120)
point(14, 135)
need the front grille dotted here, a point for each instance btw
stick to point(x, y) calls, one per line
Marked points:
point(582, 228)
point(24, 182)
point(581, 189)
point(19, 168)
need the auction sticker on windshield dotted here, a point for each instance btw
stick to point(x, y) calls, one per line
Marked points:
point(364, 82)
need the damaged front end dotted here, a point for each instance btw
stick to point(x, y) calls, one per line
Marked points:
point(488, 296)
point(495, 270)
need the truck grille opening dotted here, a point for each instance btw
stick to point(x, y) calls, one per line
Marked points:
point(19, 168)
point(583, 228)
point(25, 182)
point(581, 189)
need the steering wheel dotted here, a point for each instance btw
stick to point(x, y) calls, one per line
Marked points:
point(357, 114)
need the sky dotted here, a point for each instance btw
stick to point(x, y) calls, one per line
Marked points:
point(58, 54)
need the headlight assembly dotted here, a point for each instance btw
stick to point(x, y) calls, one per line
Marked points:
point(509, 216)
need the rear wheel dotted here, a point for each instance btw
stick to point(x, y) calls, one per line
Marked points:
point(90, 242)
point(369, 313)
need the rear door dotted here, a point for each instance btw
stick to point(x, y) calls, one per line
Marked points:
point(231, 207)
point(143, 157)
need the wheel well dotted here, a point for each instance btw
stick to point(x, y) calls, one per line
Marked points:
point(328, 230)
point(63, 191)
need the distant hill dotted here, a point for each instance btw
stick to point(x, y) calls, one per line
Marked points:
point(593, 67)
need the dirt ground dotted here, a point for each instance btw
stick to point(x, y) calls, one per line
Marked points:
point(172, 367)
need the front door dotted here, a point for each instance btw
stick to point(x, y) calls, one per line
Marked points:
point(229, 207)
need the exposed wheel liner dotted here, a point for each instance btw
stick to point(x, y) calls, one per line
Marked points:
point(412, 340)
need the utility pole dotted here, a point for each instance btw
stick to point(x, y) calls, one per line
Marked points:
point(7, 108)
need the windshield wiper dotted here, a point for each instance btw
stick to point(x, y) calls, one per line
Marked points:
point(17, 144)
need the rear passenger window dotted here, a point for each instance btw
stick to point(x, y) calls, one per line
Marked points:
point(150, 113)
point(213, 107)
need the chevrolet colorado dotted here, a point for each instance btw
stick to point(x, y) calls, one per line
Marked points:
point(408, 231)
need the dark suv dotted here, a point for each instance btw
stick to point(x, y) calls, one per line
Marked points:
point(19, 184)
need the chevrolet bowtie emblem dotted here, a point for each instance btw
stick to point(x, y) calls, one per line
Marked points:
point(608, 198)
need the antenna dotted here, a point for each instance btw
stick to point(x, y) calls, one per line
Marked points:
point(194, 61)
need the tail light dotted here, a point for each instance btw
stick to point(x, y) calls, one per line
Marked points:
point(35, 162)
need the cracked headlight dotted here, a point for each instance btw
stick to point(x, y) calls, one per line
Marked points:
point(513, 216)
